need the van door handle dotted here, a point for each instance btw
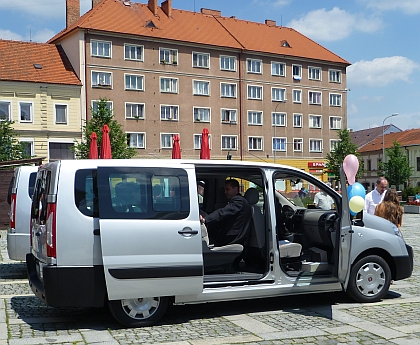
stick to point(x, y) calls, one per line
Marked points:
point(97, 232)
point(188, 232)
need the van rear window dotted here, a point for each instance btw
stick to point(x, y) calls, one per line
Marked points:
point(31, 185)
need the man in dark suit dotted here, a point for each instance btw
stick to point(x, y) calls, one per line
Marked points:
point(231, 223)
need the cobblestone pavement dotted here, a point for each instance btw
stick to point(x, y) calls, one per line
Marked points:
point(330, 318)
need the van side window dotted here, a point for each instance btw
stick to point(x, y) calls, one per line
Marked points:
point(86, 192)
point(143, 193)
point(39, 200)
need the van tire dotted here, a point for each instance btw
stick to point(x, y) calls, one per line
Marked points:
point(370, 279)
point(139, 312)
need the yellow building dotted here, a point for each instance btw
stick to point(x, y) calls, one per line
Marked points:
point(40, 92)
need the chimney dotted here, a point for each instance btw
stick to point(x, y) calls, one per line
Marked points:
point(167, 7)
point(95, 2)
point(72, 12)
point(215, 13)
point(153, 6)
point(270, 22)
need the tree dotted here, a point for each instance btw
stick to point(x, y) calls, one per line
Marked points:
point(10, 147)
point(100, 116)
point(343, 148)
point(397, 170)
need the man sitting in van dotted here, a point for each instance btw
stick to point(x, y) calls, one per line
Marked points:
point(231, 223)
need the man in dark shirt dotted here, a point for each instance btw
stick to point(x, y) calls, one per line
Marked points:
point(231, 223)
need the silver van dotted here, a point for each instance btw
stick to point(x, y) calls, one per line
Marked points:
point(20, 200)
point(99, 236)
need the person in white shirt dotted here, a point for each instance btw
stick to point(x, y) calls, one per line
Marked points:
point(376, 196)
point(323, 200)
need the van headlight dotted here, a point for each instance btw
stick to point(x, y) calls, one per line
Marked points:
point(397, 231)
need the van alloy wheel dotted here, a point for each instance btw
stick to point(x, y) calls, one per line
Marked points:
point(138, 312)
point(369, 279)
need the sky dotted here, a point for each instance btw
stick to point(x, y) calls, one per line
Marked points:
point(380, 38)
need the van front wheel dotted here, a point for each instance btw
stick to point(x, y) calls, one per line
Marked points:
point(370, 278)
point(138, 312)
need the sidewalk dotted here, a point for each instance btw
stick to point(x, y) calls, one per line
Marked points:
point(308, 319)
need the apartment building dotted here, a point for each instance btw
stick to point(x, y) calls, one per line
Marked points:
point(263, 91)
point(40, 92)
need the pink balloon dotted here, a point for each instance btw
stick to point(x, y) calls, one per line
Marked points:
point(351, 166)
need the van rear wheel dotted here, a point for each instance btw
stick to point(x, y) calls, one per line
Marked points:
point(370, 278)
point(138, 312)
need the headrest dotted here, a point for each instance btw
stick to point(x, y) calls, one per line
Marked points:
point(252, 196)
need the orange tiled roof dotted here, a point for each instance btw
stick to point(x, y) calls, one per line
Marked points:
point(185, 26)
point(17, 60)
point(364, 136)
point(405, 138)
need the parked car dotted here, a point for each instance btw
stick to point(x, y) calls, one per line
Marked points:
point(100, 237)
point(20, 198)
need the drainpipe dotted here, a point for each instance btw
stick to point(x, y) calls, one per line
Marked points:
point(240, 104)
point(86, 77)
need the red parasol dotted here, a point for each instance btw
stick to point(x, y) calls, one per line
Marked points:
point(205, 148)
point(176, 148)
point(105, 144)
point(93, 148)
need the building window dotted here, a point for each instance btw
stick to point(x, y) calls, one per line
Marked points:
point(315, 121)
point(5, 111)
point(333, 144)
point(227, 90)
point(197, 141)
point(334, 76)
point(229, 142)
point(26, 112)
point(278, 95)
point(255, 92)
point(201, 114)
point(201, 60)
point(335, 99)
point(28, 147)
point(169, 85)
point(315, 145)
point(133, 52)
point(297, 144)
point(228, 115)
point(134, 82)
point(101, 79)
point(168, 56)
point(137, 140)
point(227, 63)
point(279, 144)
point(297, 96)
point(314, 97)
point(297, 72)
point(254, 66)
point(169, 112)
point(278, 69)
point(95, 106)
point(255, 143)
point(297, 120)
point(134, 111)
point(255, 117)
point(335, 122)
point(314, 73)
point(60, 151)
point(61, 114)
point(101, 48)
point(201, 88)
point(166, 140)
point(369, 165)
point(278, 119)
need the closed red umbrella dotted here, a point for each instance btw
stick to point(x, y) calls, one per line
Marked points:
point(105, 144)
point(93, 148)
point(176, 148)
point(205, 147)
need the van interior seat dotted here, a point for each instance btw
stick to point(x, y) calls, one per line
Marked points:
point(218, 258)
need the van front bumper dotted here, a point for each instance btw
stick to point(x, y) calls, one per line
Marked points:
point(404, 264)
point(66, 286)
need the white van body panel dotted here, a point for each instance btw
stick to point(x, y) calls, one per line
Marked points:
point(18, 242)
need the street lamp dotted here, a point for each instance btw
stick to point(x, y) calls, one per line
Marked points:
point(383, 136)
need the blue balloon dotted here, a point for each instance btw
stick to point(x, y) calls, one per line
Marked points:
point(358, 190)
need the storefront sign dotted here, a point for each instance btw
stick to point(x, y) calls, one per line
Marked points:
point(316, 165)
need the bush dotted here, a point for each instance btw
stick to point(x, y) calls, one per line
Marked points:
point(409, 191)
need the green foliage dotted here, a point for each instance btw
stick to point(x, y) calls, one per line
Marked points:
point(343, 148)
point(103, 115)
point(397, 169)
point(10, 147)
point(409, 191)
